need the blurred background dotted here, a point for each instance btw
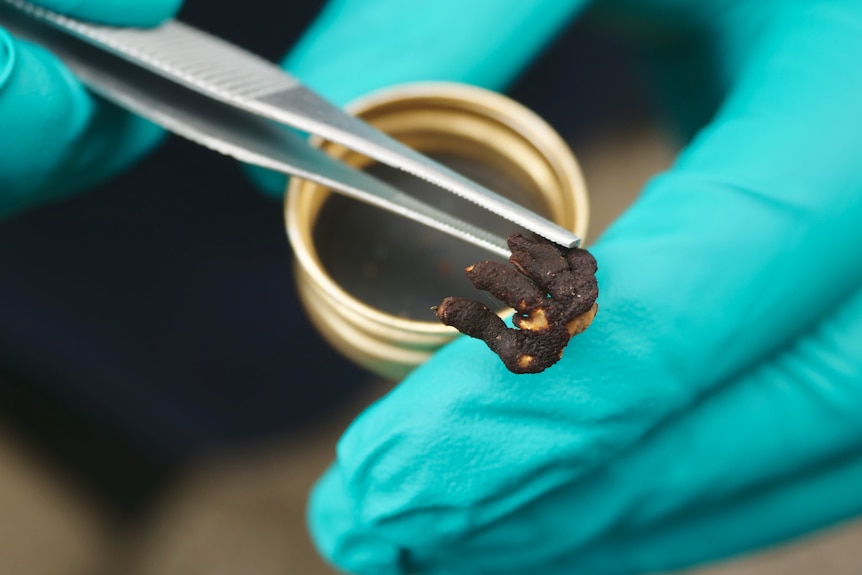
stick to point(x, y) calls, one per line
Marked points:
point(165, 405)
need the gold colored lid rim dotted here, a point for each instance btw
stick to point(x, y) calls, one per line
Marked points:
point(484, 103)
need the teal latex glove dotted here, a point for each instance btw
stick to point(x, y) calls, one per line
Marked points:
point(356, 47)
point(55, 137)
point(715, 405)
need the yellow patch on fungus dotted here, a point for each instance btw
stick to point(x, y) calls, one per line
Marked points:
point(583, 321)
point(536, 321)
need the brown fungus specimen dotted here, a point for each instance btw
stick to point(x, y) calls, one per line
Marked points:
point(553, 291)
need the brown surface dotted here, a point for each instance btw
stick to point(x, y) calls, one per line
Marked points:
point(834, 552)
point(45, 527)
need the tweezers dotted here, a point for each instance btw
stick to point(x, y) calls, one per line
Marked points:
point(236, 103)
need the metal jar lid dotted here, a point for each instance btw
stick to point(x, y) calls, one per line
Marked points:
point(367, 278)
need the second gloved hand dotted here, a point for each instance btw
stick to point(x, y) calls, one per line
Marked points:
point(713, 406)
point(55, 137)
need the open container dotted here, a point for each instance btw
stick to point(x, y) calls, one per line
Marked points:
point(368, 278)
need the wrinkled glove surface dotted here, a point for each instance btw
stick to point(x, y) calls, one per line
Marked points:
point(714, 406)
point(55, 137)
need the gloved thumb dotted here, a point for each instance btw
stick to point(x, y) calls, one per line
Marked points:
point(57, 138)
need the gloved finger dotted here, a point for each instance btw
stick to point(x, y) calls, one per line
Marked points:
point(748, 205)
point(116, 12)
point(821, 497)
point(356, 47)
point(748, 241)
point(770, 455)
point(64, 139)
point(342, 539)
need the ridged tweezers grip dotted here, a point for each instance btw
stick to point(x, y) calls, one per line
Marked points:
point(221, 71)
point(189, 56)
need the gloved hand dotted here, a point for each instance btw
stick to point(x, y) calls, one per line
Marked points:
point(55, 137)
point(715, 405)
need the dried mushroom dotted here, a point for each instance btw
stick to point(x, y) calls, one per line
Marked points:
point(553, 291)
